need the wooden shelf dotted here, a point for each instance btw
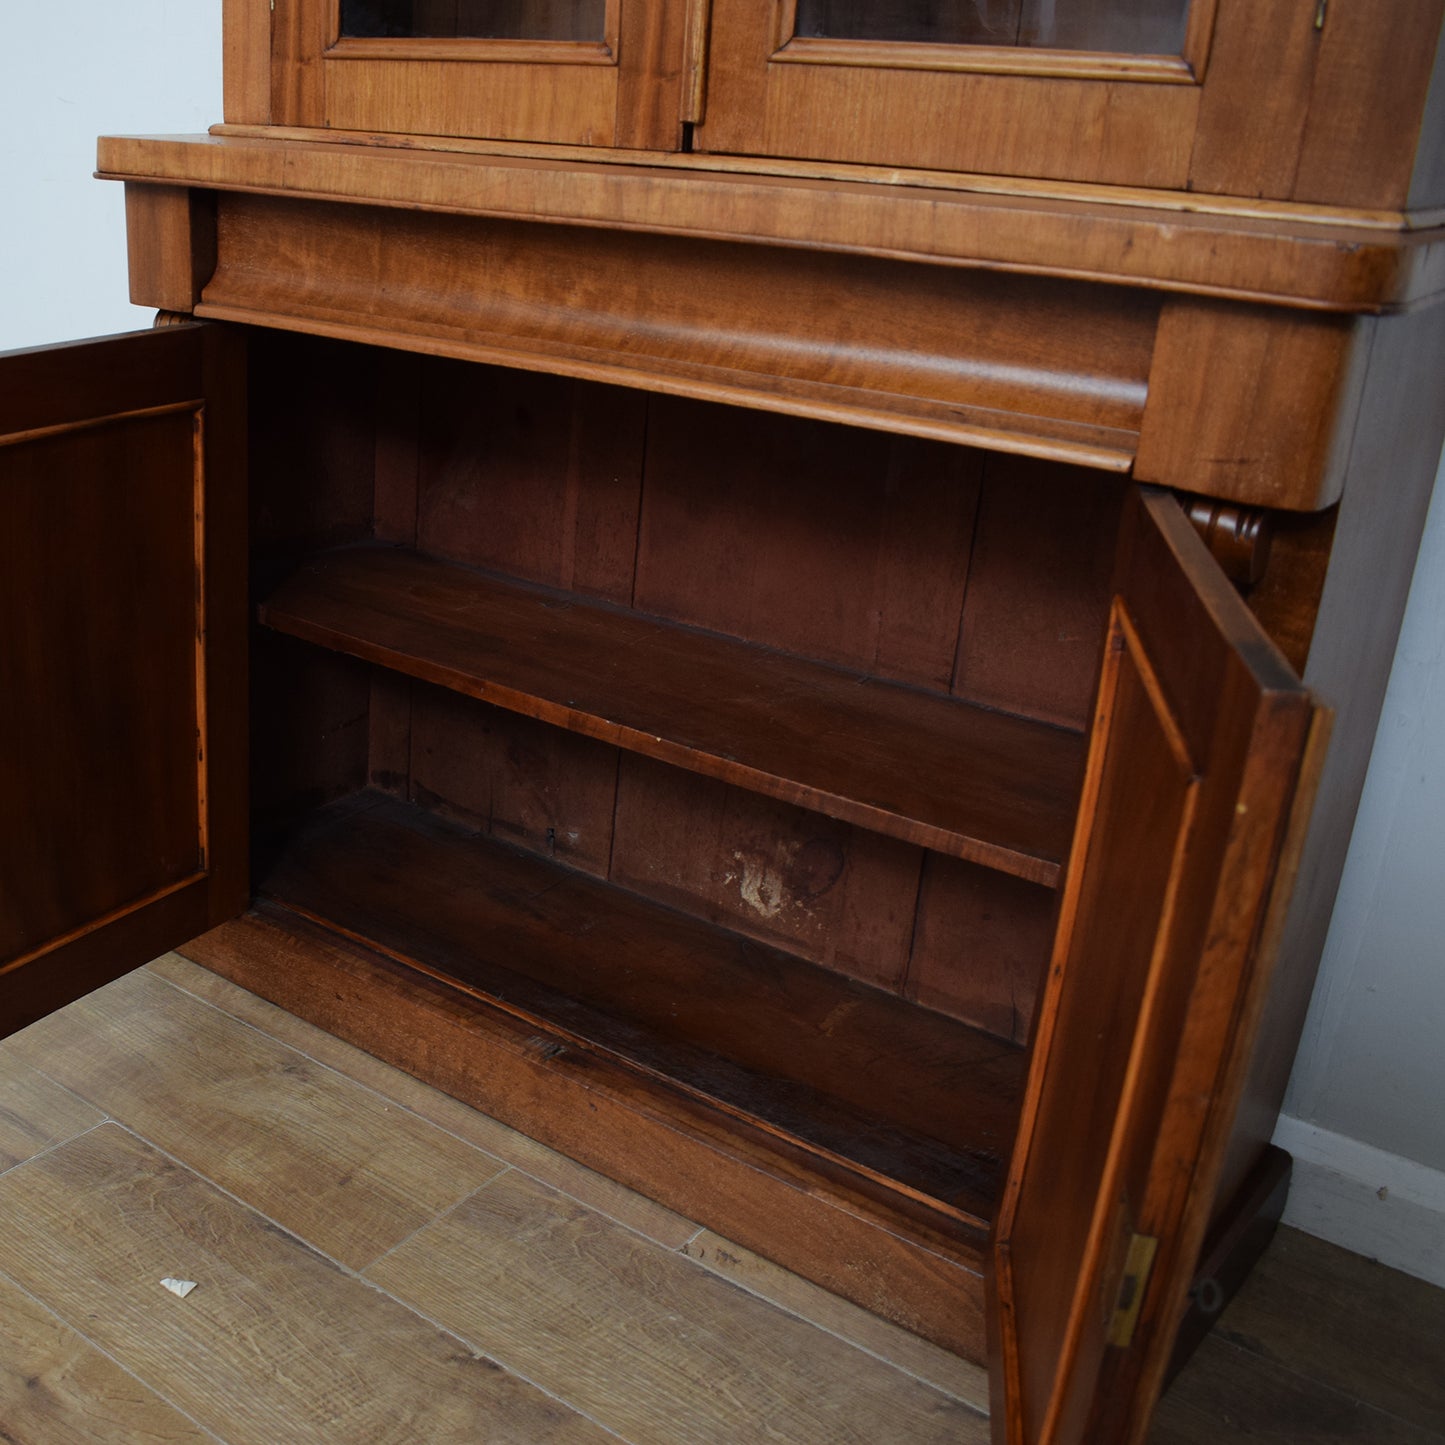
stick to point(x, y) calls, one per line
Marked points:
point(906, 1101)
point(931, 770)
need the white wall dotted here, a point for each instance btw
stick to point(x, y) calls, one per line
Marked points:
point(1367, 1103)
point(70, 70)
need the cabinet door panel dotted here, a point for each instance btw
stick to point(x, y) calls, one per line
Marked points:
point(570, 72)
point(1198, 734)
point(122, 745)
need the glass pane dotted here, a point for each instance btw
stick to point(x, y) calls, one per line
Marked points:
point(476, 19)
point(1133, 27)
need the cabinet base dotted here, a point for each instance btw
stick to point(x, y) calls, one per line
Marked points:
point(661, 1145)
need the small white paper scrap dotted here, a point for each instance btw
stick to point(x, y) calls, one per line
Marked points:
point(182, 1287)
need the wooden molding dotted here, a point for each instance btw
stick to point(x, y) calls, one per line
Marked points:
point(1315, 260)
point(171, 244)
point(1024, 364)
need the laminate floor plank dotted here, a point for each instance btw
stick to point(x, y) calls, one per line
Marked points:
point(636, 1211)
point(1348, 1323)
point(276, 1343)
point(330, 1161)
point(57, 1389)
point(646, 1342)
point(35, 1112)
point(1226, 1393)
point(925, 1361)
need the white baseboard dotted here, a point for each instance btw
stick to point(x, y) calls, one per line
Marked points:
point(1363, 1199)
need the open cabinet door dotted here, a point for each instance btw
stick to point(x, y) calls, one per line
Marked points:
point(122, 656)
point(1198, 737)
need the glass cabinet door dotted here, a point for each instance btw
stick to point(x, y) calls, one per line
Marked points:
point(561, 72)
point(1078, 90)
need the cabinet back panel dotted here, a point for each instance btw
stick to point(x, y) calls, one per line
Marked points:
point(1038, 590)
point(534, 476)
point(845, 545)
point(519, 781)
point(309, 727)
point(980, 945)
point(839, 896)
point(312, 445)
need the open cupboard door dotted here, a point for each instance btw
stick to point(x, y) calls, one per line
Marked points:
point(1198, 738)
point(122, 656)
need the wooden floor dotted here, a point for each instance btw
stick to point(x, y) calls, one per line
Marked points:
point(375, 1262)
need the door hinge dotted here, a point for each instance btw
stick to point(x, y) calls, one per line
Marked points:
point(1137, 1266)
point(1320, 9)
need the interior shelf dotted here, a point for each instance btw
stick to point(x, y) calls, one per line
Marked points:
point(967, 781)
point(909, 1102)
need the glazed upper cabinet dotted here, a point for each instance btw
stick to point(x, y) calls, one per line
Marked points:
point(1288, 99)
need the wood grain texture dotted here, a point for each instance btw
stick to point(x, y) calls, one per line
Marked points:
point(1346, 1324)
point(537, 477)
point(340, 1169)
point(56, 1388)
point(661, 994)
point(1290, 255)
point(838, 896)
point(626, 1206)
point(1201, 715)
point(1088, 130)
point(136, 437)
point(1252, 406)
point(1228, 1394)
point(36, 1113)
point(1253, 109)
point(968, 781)
point(1368, 103)
point(170, 245)
point(816, 1222)
point(960, 1378)
point(1390, 474)
point(1056, 367)
point(746, 1373)
point(246, 63)
point(276, 1342)
point(980, 946)
point(850, 547)
point(1037, 605)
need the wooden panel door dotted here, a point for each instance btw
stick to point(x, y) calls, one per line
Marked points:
point(571, 72)
point(1198, 737)
point(122, 657)
point(1237, 97)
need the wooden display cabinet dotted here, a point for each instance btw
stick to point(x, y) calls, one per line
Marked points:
point(782, 683)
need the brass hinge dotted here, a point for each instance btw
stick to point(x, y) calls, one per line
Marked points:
point(1320, 14)
point(1137, 1265)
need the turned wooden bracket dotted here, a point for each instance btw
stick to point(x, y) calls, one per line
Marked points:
point(1238, 538)
point(172, 318)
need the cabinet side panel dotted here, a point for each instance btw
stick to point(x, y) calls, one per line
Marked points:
point(1390, 475)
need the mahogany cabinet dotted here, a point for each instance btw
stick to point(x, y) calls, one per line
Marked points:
point(803, 687)
point(1327, 102)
